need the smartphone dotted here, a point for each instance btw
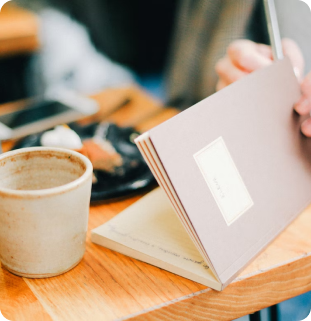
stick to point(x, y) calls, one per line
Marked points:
point(273, 29)
point(44, 114)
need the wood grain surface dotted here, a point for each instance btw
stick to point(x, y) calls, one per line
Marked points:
point(18, 31)
point(109, 286)
point(17, 302)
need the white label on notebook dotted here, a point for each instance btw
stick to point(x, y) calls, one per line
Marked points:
point(224, 180)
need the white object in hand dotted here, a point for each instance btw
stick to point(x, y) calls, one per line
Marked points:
point(61, 136)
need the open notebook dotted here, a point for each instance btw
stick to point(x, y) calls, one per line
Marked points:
point(235, 170)
point(150, 231)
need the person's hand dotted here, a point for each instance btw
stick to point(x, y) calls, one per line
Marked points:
point(303, 107)
point(245, 56)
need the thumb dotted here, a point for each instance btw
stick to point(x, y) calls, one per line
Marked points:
point(293, 52)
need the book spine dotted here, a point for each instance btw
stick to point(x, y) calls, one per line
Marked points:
point(146, 148)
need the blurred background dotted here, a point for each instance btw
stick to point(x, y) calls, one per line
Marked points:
point(86, 47)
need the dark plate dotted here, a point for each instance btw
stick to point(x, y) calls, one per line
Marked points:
point(132, 177)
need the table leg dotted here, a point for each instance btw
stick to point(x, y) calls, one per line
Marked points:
point(273, 314)
point(273, 311)
point(255, 316)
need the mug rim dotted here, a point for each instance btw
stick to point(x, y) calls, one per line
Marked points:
point(53, 190)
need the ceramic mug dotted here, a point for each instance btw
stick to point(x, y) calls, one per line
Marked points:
point(44, 207)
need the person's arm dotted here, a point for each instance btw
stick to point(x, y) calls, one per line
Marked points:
point(245, 56)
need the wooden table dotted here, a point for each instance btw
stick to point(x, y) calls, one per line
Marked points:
point(109, 286)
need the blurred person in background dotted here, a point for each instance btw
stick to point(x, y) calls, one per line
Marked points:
point(172, 45)
point(91, 46)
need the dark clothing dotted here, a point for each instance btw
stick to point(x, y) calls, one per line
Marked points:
point(138, 34)
point(203, 32)
point(135, 33)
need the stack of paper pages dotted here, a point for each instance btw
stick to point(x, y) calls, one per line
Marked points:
point(234, 171)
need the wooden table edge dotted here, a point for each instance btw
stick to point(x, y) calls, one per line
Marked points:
point(274, 288)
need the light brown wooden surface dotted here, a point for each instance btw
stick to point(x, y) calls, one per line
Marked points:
point(18, 31)
point(109, 286)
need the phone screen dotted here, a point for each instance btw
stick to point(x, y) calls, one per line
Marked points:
point(34, 113)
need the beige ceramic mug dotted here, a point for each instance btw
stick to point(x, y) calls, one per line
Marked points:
point(44, 207)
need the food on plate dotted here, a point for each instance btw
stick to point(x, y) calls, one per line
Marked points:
point(99, 150)
point(61, 136)
point(102, 154)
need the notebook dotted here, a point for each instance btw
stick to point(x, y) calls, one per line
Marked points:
point(234, 171)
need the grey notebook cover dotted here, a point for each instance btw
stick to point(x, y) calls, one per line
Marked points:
point(239, 165)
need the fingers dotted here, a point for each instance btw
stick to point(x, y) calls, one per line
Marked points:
point(306, 86)
point(249, 56)
point(306, 127)
point(220, 85)
point(292, 51)
point(228, 72)
point(243, 57)
point(303, 107)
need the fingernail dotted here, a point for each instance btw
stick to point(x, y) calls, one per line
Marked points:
point(306, 128)
point(297, 73)
point(303, 106)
